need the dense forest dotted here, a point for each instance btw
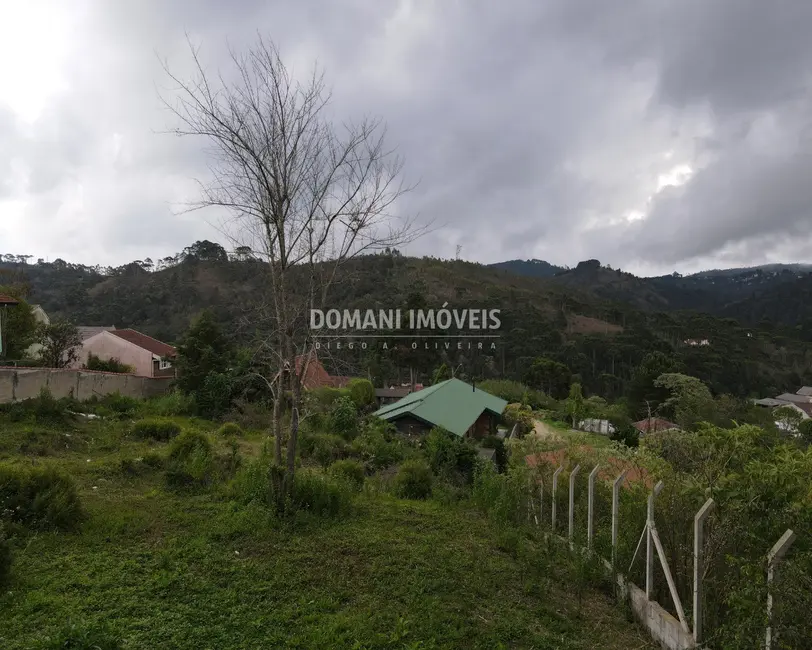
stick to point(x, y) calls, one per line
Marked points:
point(605, 328)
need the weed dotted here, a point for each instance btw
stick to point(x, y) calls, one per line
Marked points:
point(39, 497)
point(230, 429)
point(82, 637)
point(190, 461)
point(413, 480)
point(156, 429)
point(6, 558)
point(349, 470)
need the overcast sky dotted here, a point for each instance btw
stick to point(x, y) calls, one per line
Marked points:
point(652, 135)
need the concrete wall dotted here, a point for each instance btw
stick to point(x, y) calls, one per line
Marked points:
point(106, 346)
point(17, 384)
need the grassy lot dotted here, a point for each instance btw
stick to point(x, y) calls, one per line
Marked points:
point(578, 437)
point(158, 568)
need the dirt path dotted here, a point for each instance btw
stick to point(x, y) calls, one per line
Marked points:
point(545, 431)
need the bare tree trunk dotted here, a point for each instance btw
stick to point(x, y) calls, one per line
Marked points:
point(277, 419)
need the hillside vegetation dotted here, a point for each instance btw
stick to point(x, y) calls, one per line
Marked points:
point(600, 340)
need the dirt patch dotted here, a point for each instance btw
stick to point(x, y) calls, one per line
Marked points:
point(545, 431)
point(587, 325)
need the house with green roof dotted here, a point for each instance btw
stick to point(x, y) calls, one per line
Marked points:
point(460, 408)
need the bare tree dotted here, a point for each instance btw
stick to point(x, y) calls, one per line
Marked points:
point(305, 195)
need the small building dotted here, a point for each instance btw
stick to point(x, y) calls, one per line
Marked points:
point(805, 391)
point(149, 357)
point(460, 408)
point(391, 395)
point(313, 373)
point(654, 425)
point(595, 425)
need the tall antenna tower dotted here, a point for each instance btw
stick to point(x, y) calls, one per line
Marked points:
point(459, 249)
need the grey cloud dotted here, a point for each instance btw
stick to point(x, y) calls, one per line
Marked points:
point(533, 128)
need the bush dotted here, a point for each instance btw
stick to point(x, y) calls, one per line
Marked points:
point(322, 398)
point(82, 637)
point(450, 456)
point(313, 491)
point(805, 430)
point(521, 415)
point(41, 498)
point(377, 448)
point(349, 470)
point(344, 418)
point(190, 461)
point(6, 558)
point(173, 403)
point(500, 453)
point(229, 429)
point(115, 403)
point(214, 396)
point(324, 448)
point(515, 392)
point(413, 480)
point(156, 429)
point(320, 494)
point(362, 393)
point(107, 365)
point(43, 409)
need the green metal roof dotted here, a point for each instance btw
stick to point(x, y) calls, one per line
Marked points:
point(451, 404)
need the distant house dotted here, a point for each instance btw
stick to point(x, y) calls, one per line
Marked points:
point(695, 342)
point(148, 356)
point(314, 375)
point(805, 390)
point(460, 408)
point(654, 425)
point(386, 396)
point(594, 425)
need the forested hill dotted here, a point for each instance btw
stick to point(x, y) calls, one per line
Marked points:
point(773, 294)
point(601, 341)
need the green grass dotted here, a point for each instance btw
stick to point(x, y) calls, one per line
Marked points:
point(579, 437)
point(165, 569)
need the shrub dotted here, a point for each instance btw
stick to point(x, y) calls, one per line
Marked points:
point(82, 637)
point(107, 365)
point(118, 404)
point(500, 453)
point(413, 480)
point(805, 430)
point(320, 494)
point(344, 418)
point(39, 497)
point(515, 392)
point(43, 409)
point(349, 470)
point(362, 393)
point(229, 429)
point(323, 397)
point(156, 429)
point(190, 461)
point(450, 456)
point(213, 398)
point(324, 448)
point(153, 460)
point(173, 403)
point(521, 415)
point(6, 558)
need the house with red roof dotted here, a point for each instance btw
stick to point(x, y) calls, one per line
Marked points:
point(148, 356)
point(313, 373)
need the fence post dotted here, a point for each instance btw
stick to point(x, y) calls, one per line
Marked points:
point(615, 515)
point(775, 555)
point(573, 474)
point(699, 540)
point(555, 488)
point(591, 511)
point(649, 540)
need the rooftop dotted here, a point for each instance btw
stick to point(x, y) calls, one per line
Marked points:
point(146, 342)
point(451, 404)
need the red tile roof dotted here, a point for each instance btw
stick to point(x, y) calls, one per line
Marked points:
point(8, 300)
point(147, 342)
point(648, 425)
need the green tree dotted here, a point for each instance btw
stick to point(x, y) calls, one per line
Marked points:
point(689, 400)
point(204, 350)
point(442, 373)
point(60, 343)
point(575, 404)
point(789, 418)
point(362, 392)
point(549, 376)
point(19, 325)
point(642, 391)
point(805, 429)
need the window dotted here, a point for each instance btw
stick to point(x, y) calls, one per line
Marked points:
point(163, 364)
